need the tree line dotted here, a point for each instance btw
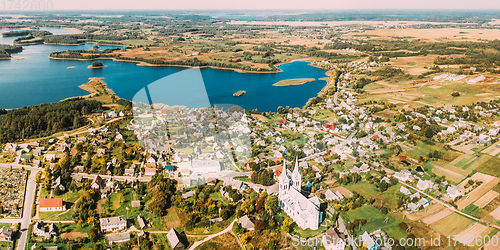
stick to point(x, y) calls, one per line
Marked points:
point(45, 119)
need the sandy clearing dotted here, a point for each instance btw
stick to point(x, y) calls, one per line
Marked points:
point(437, 216)
point(487, 198)
point(470, 234)
point(74, 235)
point(344, 191)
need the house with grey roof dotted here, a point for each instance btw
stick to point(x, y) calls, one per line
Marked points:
point(174, 241)
point(113, 224)
point(246, 223)
point(118, 238)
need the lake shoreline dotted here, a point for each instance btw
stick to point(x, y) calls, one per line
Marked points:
point(140, 63)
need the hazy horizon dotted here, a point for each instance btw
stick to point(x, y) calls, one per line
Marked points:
point(110, 5)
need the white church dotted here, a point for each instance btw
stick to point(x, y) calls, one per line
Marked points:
point(304, 211)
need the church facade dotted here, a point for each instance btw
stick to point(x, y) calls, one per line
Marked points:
point(304, 211)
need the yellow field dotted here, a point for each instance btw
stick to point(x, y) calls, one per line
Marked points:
point(434, 35)
point(452, 224)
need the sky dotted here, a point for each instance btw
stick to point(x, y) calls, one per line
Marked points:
point(271, 4)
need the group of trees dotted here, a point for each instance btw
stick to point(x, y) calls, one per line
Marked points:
point(160, 192)
point(263, 177)
point(6, 50)
point(34, 33)
point(45, 119)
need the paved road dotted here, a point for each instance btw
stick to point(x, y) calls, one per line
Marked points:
point(198, 243)
point(28, 201)
point(28, 204)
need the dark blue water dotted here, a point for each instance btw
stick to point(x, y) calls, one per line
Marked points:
point(37, 79)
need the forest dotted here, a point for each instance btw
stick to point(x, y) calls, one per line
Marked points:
point(191, 62)
point(45, 119)
point(82, 38)
point(6, 50)
point(34, 33)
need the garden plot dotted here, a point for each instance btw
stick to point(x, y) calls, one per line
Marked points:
point(488, 183)
point(437, 216)
point(468, 236)
point(487, 198)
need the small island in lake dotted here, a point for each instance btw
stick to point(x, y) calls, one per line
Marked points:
point(71, 67)
point(291, 82)
point(239, 93)
point(96, 65)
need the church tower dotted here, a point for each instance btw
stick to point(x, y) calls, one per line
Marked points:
point(297, 177)
point(284, 181)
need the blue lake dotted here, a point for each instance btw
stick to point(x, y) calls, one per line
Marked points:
point(38, 79)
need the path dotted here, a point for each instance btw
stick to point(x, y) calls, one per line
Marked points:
point(199, 243)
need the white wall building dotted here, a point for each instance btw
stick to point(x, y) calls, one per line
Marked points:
point(304, 211)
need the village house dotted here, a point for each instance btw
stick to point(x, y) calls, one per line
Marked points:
point(51, 205)
point(333, 240)
point(423, 185)
point(404, 190)
point(453, 192)
point(118, 238)
point(43, 230)
point(174, 241)
point(142, 223)
point(58, 183)
point(113, 224)
point(11, 147)
point(149, 171)
point(96, 183)
point(188, 195)
point(331, 196)
point(6, 233)
point(368, 242)
point(246, 223)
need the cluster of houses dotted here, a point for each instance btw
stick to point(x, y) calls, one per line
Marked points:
point(417, 202)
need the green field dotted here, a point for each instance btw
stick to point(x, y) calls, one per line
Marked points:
point(490, 167)
point(365, 189)
point(376, 220)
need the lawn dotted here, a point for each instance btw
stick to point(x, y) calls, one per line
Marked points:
point(307, 233)
point(375, 220)
point(365, 189)
point(490, 167)
point(48, 215)
point(389, 197)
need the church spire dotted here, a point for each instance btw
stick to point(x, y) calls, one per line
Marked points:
point(296, 176)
